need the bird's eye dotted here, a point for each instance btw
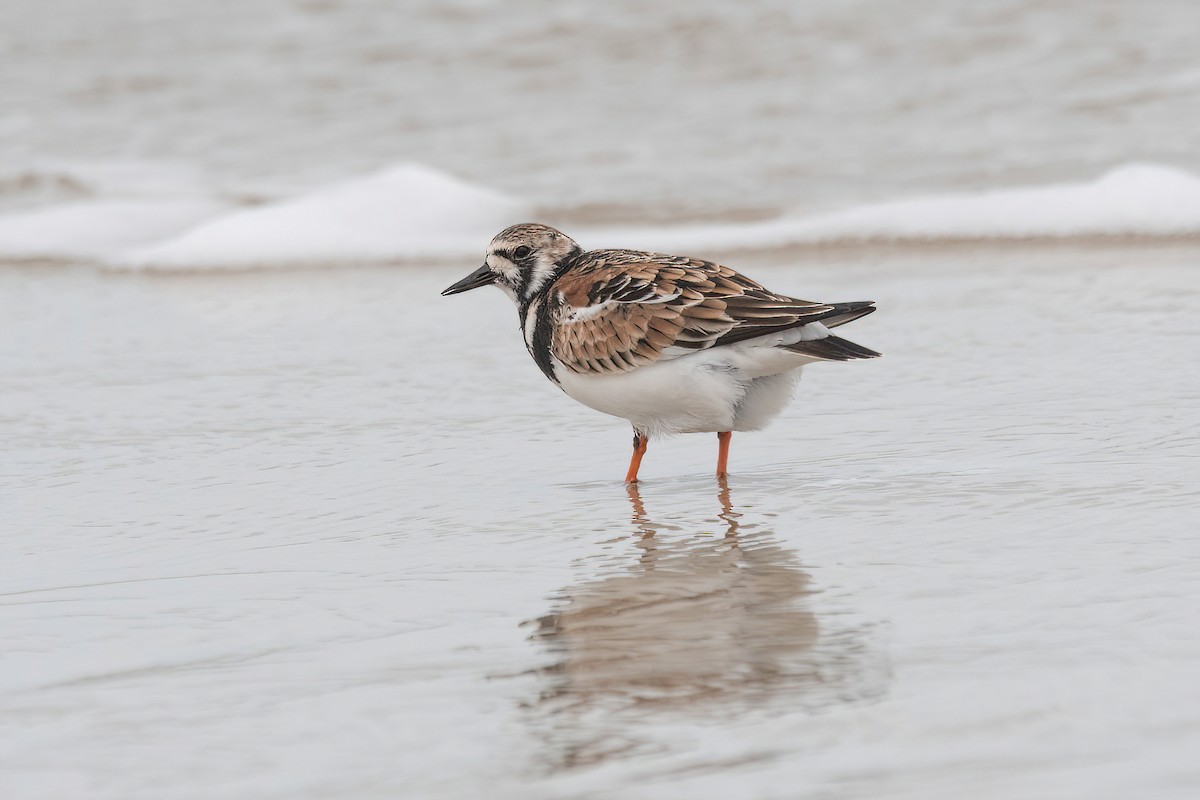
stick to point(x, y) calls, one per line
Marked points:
point(521, 251)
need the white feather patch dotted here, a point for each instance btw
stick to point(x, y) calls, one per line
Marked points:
point(530, 323)
point(805, 333)
point(587, 312)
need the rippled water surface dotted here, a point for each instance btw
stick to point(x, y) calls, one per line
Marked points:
point(327, 534)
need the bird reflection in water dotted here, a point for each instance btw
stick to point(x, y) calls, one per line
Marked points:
point(701, 622)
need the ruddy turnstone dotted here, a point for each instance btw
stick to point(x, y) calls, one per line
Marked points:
point(672, 344)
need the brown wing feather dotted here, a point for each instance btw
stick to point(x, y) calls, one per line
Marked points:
point(623, 309)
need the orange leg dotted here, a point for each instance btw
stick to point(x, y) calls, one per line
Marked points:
point(723, 453)
point(639, 450)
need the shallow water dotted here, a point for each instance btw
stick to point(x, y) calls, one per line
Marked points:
point(324, 533)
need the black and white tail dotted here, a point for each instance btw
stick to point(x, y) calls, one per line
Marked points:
point(835, 348)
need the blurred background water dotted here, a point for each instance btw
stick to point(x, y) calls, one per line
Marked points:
point(313, 531)
point(642, 111)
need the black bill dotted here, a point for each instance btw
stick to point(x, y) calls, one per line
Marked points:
point(480, 277)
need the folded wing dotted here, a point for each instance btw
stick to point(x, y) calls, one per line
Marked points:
point(625, 309)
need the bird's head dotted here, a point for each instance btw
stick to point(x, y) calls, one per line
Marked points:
point(521, 260)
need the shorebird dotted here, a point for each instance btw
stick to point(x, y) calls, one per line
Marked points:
point(670, 343)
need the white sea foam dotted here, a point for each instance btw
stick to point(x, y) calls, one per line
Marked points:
point(98, 228)
point(413, 212)
point(1132, 200)
point(93, 210)
point(406, 211)
point(137, 216)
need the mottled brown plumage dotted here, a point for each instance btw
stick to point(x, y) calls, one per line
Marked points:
point(617, 310)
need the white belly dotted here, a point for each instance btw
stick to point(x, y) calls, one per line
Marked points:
point(725, 389)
